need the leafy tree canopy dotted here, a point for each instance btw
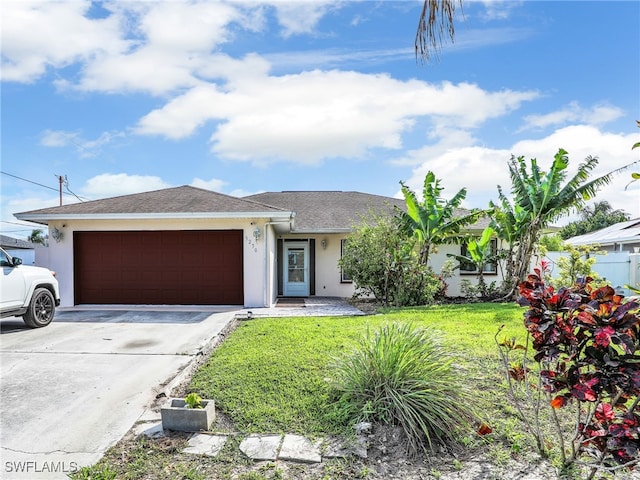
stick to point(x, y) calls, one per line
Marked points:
point(592, 218)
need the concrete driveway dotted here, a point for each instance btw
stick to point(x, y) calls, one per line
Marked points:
point(72, 389)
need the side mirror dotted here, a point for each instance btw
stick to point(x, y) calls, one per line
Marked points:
point(16, 261)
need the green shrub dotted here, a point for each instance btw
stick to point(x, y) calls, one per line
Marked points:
point(384, 263)
point(402, 375)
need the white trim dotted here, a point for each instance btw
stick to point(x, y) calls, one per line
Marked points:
point(147, 216)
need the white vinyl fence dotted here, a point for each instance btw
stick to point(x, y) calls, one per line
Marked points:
point(617, 268)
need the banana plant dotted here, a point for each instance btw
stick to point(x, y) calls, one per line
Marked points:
point(479, 253)
point(435, 220)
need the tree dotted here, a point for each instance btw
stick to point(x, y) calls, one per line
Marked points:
point(509, 221)
point(436, 18)
point(592, 218)
point(37, 236)
point(435, 221)
point(545, 197)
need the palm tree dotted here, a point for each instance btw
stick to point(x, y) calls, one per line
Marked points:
point(435, 220)
point(37, 236)
point(436, 18)
point(545, 197)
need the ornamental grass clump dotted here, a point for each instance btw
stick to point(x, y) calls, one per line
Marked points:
point(402, 375)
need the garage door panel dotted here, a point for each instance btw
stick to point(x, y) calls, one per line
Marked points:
point(166, 267)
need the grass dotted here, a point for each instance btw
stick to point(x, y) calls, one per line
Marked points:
point(270, 375)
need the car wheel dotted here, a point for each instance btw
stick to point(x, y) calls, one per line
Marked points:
point(41, 309)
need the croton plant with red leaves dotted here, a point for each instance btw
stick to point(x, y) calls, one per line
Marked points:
point(587, 343)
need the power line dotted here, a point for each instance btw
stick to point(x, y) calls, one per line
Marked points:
point(29, 181)
point(16, 223)
point(70, 193)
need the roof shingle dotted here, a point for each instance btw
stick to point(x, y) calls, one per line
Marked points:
point(184, 199)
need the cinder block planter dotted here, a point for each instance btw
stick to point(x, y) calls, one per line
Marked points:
point(177, 416)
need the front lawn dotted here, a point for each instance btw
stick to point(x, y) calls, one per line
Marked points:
point(271, 374)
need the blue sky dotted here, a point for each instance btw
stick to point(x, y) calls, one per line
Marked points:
point(245, 97)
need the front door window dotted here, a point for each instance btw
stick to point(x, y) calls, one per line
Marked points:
point(296, 281)
point(296, 265)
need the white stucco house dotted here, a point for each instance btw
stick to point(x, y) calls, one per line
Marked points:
point(190, 246)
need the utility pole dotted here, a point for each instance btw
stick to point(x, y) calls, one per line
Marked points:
point(60, 181)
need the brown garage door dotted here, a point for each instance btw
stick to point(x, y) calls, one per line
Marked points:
point(159, 268)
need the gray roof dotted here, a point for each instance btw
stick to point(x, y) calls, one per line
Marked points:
point(314, 211)
point(328, 211)
point(623, 232)
point(178, 201)
point(13, 243)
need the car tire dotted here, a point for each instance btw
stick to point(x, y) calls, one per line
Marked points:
point(41, 309)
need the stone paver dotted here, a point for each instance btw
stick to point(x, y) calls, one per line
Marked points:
point(261, 447)
point(313, 307)
point(204, 444)
point(290, 448)
point(296, 448)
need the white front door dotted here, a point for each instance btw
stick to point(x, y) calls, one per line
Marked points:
point(296, 269)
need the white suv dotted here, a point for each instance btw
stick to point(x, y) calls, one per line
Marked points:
point(30, 292)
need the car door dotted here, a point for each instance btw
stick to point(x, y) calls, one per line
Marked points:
point(13, 287)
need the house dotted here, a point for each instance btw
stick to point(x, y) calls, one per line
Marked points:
point(19, 248)
point(191, 246)
point(620, 237)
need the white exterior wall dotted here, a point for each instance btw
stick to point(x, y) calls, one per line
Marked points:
point(328, 276)
point(61, 253)
point(327, 272)
point(454, 283)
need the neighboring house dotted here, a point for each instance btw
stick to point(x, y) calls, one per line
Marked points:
point(191, 246)
point(621, 237)
point(620, 263)
point(19, 248)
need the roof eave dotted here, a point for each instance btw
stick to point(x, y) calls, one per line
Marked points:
point(321, 230)
point(45, 218)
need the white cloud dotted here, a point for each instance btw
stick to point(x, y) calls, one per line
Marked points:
point(57, 138)
point(85, 148)
point(111, 185)
point(24, 203)
point(152, 47)
point(183, 115)
point(311, 116)
point(215, 184)
point(574, 113)
point(300, 16)
point(37, 35)
point(481, 169)
point(499, 9)
point(175, 44)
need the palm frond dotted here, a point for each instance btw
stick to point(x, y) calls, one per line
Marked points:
point(436, 18)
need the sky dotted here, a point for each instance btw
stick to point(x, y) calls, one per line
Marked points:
point(121, 97)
